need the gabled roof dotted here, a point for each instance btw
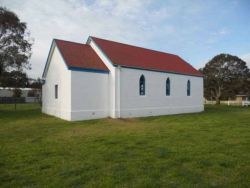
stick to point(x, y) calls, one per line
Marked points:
point(137, 57)
point(80, 56)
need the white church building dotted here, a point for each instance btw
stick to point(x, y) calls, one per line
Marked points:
point(104, 78)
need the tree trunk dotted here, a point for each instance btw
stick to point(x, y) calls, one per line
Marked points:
point(15, 103)
point(217, 101)
point(218, 95)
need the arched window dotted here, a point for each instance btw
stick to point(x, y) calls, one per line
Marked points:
point(142, 85)
point(168, 87)
point(188, 88)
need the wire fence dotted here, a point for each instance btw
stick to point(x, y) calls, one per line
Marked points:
point(13, 100)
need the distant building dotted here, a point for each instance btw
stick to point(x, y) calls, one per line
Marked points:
point(241, 98)
point(29, 94)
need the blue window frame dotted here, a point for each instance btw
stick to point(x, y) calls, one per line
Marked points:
point(168, 87)
point(142, 85)
point(188, 88)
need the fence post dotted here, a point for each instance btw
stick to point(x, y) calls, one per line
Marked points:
point(15, 103)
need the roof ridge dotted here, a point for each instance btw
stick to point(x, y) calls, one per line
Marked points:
point(148, 58)
point(134, 46)
point(69, 41)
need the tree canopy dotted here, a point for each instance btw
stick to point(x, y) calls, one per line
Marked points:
point(14, 79)
point(225, 76)
point(15, 43)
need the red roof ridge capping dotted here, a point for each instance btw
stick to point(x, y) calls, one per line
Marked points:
point(142, 58)
point(80, 56)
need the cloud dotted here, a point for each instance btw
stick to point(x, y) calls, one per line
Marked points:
point(246, 58)
point(217, 35)
point(126, 21)
point(187, 28)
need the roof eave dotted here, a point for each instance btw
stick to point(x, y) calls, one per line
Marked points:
point(156, 70)
point(72, 68)
point(52, 46)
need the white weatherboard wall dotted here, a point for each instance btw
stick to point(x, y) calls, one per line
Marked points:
point(57, 73)
point(90, 95)
point(155, 101)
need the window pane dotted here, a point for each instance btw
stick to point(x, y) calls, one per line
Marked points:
point(142, 85)
point(168, 87)
point(56, 91)
point(188, 88)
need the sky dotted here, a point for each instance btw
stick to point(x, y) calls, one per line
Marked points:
point(196, 30)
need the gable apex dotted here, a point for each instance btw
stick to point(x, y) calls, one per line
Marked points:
point(77, 56)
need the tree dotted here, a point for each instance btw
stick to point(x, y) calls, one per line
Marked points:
point(14, 79)
point(35, 83)
point(17, 93)
point(15, 43)
point(224, 76)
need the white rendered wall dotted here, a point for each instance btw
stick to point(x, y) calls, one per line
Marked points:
point(90, 95)
point(59, 74)
point(113, 100)
point(155, 101)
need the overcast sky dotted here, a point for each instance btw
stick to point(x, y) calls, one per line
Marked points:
point(195, 30)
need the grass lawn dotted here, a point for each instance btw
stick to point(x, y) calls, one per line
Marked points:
point(209, 149)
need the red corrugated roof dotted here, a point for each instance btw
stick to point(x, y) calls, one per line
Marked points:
point(137, 57)
point(78, 55)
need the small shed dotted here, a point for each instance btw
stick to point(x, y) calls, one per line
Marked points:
point(240, 98)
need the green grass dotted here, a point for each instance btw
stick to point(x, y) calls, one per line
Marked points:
point(209, 149)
